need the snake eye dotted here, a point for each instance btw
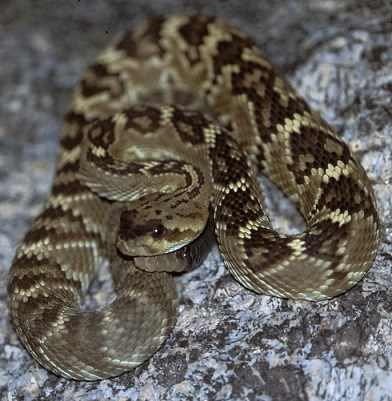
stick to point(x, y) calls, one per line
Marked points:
point(157, 231)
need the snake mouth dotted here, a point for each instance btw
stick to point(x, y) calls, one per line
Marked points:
point(135, 248)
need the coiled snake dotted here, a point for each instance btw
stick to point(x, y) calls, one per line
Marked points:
point(136, 182)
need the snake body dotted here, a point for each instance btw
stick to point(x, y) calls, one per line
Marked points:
point(136, 183)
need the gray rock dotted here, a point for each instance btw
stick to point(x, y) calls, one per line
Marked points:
point(229, 343)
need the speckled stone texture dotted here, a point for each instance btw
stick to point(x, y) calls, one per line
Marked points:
point(229, 343)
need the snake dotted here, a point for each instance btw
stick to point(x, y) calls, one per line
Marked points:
point(165, 137)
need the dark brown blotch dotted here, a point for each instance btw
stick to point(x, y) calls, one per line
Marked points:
point(151, 31)
point(322, 241)
point(346, 194)
point(236, 208)
point(74, 136)
point(69, 189)
point(312, 142)
point(144, 119)
point(96, 79)
point(190, 126)
point(194, 32)
point(265, 248)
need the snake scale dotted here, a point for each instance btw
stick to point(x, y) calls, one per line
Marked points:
point(141, 183)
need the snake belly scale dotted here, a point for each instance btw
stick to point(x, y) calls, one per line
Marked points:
point(138, 183)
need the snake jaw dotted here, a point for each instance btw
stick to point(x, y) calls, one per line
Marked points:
point(148, 247)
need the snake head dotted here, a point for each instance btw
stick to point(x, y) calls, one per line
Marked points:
point(139, 235)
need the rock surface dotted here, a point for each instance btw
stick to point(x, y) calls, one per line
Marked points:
point(229, 344)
